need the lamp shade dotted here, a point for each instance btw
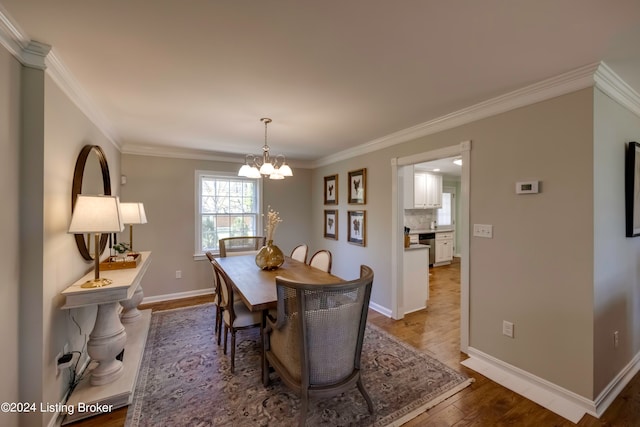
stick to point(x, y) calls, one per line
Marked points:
point(96, 214)
point(133, 213)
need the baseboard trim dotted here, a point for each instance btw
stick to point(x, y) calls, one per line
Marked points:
point(380, 309)
point(559, 400)
point(177, 295)
point(615, 387)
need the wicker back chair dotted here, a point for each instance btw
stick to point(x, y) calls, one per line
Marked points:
point(240, 244)
point(315, 342)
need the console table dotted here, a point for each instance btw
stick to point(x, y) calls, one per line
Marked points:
point(108, 380)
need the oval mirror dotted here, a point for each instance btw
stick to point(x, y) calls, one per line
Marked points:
point(91, 176)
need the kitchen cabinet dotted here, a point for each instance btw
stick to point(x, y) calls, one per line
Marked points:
point(444, 248)
point(416, 278)
point(424, 191)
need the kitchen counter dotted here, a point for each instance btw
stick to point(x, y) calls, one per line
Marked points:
point(416, 246)
point(437, 230)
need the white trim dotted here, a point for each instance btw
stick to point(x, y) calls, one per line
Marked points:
point(557, 399)
point(611, 84)
point(617, 384)
point(61, 75)
point(177, 295)
point(193, 154)
point(380, 309)
point(597, 74)
point(397, 223)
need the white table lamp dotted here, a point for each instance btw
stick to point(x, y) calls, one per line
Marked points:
point(132, 213)
point(96, 215)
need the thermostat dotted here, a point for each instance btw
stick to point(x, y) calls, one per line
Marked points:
point(527, 187)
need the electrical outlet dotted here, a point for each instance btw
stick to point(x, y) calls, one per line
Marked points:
point(483, 230)
point(507, 328)
point(178, 274)
point(616, 339)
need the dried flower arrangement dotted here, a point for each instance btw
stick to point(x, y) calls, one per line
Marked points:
point(273, 219)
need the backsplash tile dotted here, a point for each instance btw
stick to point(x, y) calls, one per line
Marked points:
point(419, 219)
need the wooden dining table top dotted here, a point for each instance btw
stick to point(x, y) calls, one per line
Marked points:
point(257, 288)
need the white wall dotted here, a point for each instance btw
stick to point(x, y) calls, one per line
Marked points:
point(10, 71)
point(167, 188)
point(616, 270)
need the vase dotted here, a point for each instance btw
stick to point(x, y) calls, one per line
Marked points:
point(269, 257)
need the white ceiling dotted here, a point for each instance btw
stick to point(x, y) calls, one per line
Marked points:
point(332, 74)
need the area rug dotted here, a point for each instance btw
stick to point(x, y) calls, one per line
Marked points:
point(185, 380)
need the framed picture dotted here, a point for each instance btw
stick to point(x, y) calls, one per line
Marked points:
point(358, 187)
point(331, 224)
point(357, 227)
point(331, 190)
point(632, 189)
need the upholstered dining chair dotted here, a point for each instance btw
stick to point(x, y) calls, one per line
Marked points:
point(216, 298)
point(315, 342)
point(240, 244)
point(235, 315)
point(321, 260)
point(299, 253)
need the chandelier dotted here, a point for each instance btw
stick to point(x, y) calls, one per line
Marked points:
point(259, 166)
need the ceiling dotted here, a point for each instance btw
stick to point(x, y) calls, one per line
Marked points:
point(332, 75)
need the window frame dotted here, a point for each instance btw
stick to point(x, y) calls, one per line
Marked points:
point(199, 254)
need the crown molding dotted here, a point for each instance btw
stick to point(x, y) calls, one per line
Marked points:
point(611, 84)
point(596, 74)
point(38, 55)
point(193, 154)
point(70, 86)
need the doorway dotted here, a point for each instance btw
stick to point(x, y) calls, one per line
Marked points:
point(398, 186)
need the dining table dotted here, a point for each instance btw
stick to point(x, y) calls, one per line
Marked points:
point(257, 287)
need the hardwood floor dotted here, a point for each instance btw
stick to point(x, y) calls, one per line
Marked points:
point(436, 331)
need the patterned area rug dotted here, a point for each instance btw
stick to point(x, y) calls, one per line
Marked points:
point(184, 380)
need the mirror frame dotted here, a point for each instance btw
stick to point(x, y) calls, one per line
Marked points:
point(76, 189)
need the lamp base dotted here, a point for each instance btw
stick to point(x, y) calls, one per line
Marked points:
point(96, 283)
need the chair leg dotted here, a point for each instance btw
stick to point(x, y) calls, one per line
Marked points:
point(366, 396)
point(215, 328)
point(303, 410)
point(226, 332)
point(233, 350)
point(219, 325)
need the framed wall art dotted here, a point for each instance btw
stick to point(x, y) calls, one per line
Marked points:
point(632, 190)
point(331, 190)
point(331, 224)
point(357, 227)
point(358, 187)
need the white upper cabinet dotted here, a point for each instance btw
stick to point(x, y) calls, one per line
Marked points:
point(424, 191)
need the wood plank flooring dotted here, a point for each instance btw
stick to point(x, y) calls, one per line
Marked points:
point(436, 331)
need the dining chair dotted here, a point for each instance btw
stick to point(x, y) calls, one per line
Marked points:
point(299, 253)
point(321, 260)
point(240, 244)
point(216, 298)
point(314, 343)
point(235, 315)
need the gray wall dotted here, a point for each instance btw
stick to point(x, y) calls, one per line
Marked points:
point(616, 270)
point(167, 188)
point(53, 131)
point(537, 271)
point(10, 78)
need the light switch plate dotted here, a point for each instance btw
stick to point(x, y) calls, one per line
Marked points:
point(483, 230)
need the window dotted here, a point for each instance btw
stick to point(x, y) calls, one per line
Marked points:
point(446, 212)
point(227, 206)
